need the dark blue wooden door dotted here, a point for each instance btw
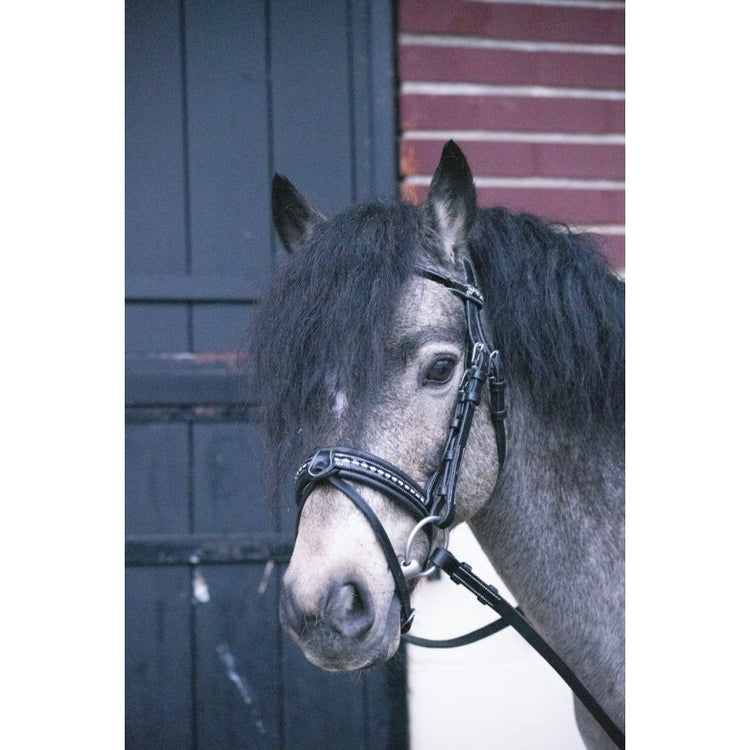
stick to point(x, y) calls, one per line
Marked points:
point(219, 96)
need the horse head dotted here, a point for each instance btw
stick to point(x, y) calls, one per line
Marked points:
point(389, 349)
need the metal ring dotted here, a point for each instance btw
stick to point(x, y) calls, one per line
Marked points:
point(412, 536)
point(410, 541)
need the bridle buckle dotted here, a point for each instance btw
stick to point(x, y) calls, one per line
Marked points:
point(322, 464)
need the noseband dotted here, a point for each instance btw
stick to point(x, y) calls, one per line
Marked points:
point(434, 505)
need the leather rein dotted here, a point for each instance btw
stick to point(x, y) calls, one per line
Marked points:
point(434, 505)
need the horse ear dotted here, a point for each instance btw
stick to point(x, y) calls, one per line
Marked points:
point(293, 216)
point(452, 200)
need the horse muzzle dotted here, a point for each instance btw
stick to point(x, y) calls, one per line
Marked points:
point(341, 630)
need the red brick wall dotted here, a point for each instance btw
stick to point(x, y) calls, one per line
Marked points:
point(533, 93)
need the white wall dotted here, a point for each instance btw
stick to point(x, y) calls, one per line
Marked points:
point(497, 693)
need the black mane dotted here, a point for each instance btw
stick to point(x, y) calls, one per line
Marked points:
point(556, 313)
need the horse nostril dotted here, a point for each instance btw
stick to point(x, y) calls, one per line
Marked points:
point(348, 611)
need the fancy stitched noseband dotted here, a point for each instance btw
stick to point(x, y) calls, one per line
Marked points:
point(434, 506)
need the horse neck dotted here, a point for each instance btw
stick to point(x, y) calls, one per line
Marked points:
point(554, 529)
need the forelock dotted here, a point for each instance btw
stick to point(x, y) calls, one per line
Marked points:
point(323, 327)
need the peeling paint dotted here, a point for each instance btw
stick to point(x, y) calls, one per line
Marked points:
point(241, 684)
point(267, 571)
point(200, 588)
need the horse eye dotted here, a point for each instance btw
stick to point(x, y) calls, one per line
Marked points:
point(439, 372)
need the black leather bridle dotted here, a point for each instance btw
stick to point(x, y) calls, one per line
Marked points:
point(434, 506)
point(338, 466)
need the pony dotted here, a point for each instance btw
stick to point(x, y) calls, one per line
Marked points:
point(358, 349)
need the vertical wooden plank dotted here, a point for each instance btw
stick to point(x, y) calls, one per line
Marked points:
point(337, 711)
point(311, 99)
point(322, 710)
point(158, 672)
point(229, 495)
point(156, 479)
point(383, 86)
point(387, 713)
point(154, 169)
point(363, 111)
point(237, 651)
point(228, 141)
point(373, 108)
